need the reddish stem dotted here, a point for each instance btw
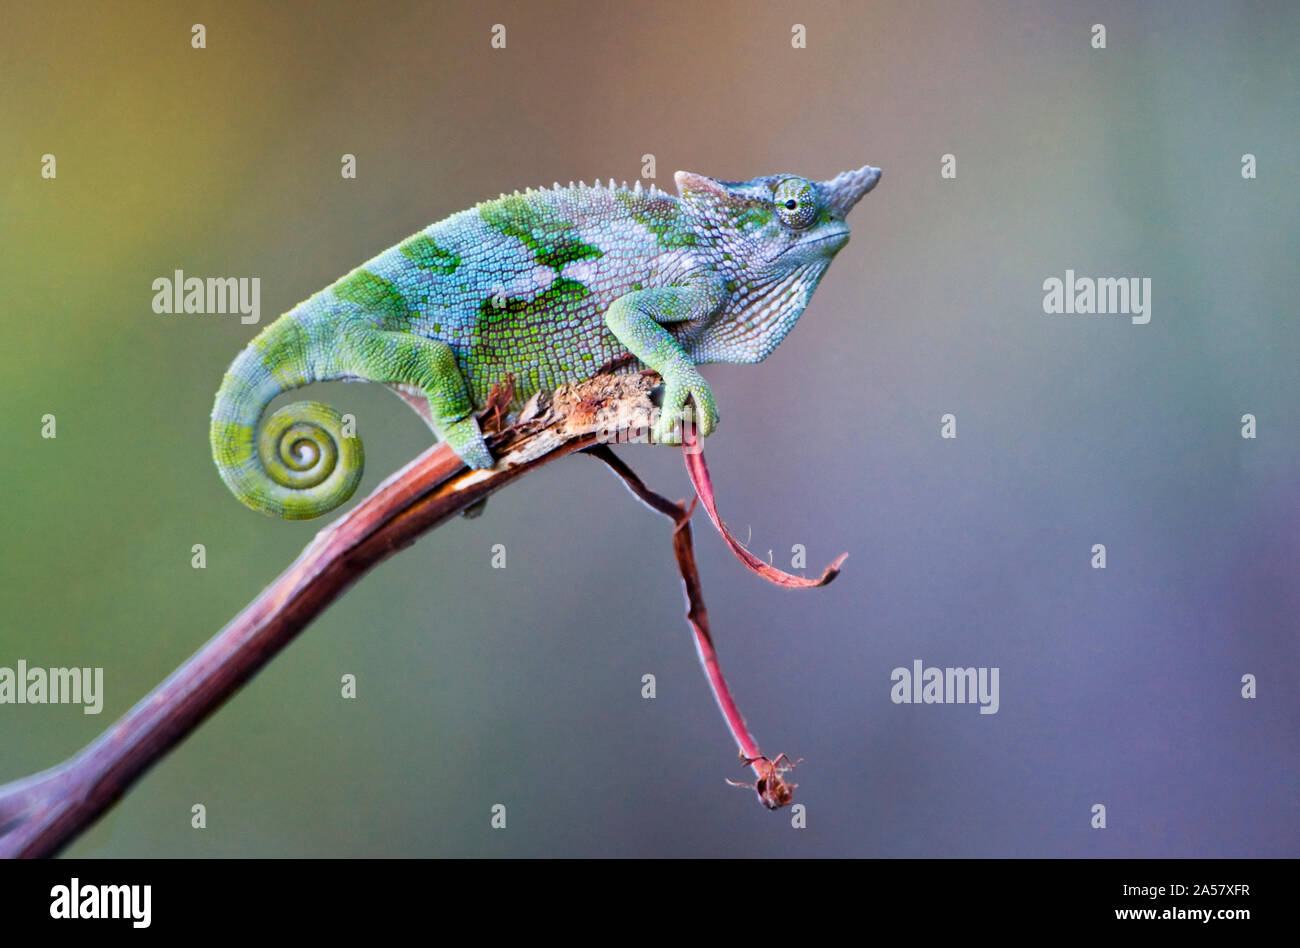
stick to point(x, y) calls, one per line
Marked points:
point(773, 790)
point(699, 473)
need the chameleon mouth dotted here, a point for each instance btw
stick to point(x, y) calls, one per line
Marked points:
point(833, 241)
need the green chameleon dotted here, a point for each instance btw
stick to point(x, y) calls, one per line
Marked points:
point(547, 287)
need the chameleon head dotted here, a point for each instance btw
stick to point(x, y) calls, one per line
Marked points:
point(771, 239)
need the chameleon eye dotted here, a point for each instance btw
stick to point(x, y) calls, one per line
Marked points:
point(796, 203)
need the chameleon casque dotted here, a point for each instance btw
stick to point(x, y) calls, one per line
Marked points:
point(549, 286)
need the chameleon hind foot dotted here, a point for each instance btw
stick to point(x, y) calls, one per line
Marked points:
point(466, 439)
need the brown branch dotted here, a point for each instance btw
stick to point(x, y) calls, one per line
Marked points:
point(41, 814)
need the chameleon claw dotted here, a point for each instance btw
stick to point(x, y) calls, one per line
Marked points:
point(466, 439)
point(678, 415)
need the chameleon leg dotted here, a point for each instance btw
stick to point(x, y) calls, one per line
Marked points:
point(635, 321)
point(430, 366)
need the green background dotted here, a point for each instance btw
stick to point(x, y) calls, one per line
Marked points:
point(522, 686)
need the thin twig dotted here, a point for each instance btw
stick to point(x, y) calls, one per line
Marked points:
point(773, 790)
point(699, 472)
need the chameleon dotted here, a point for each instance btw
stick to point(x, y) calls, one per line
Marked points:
point(551, 286)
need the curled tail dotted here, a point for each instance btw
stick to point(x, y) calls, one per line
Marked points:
point(299, 464)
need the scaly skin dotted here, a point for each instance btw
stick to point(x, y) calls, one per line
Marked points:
point(548, 286)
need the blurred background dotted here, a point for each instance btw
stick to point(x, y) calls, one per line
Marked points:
point(522, 685)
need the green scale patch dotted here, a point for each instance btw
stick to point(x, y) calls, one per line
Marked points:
point(559, 297)
point(661, 217)
point(543, 231)
point(377, 295)
point(427, 255)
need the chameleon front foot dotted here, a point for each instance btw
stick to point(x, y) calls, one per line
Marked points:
point(674, 414)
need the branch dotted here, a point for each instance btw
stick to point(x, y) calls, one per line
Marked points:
point(41, 814)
